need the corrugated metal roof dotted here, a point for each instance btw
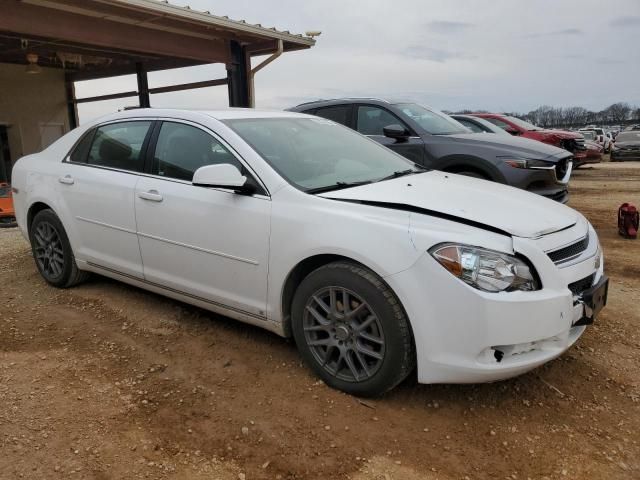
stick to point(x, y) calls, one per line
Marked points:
point(207, 18)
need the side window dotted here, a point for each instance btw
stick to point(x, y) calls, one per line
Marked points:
point(182, 149)
point(499, 123)
point(119, 145)
point(81, 150)
point(372, 120)
point(470, 125)
point(339, 113)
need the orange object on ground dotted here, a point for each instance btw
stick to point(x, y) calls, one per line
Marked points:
point(7, 213)
point(628, 219)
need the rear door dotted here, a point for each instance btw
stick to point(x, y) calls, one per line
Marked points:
point(97, 185)
point(371, 120)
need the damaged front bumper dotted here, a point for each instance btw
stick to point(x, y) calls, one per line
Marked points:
point(464, 335)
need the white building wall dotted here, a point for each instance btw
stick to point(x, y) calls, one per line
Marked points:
point(33, 106)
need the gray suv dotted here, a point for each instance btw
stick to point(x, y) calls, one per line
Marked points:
point(435, 140)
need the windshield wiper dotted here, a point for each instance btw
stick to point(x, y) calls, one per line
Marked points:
point(402, 173)
point(337, 186)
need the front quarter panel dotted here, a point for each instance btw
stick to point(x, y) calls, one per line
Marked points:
point(305, 225)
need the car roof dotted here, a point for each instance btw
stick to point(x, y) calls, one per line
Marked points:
point(223, 114)
point(339, 101)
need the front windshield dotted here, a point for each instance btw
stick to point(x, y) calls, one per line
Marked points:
point(5, 191)
point(522, 124)
point(313, 153)
point(433, 122)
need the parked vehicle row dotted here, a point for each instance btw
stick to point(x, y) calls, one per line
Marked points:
point(375, 265)
point(435, 140)
point(605, 139)
point(571, 141)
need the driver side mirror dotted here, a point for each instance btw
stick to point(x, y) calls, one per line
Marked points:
point(223, 175)
point(397, 132)
point(512, 131)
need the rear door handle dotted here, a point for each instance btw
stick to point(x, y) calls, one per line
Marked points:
point(151, 195)
point(67, 180)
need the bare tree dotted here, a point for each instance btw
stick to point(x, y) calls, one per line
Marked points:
point(618, 112)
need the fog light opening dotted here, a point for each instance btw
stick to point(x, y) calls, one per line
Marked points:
point(498, 355)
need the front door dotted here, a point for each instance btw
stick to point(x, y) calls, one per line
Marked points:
point(209, 243)
point(97, 185)
point(371, 121)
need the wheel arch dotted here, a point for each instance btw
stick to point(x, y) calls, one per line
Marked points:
point(33, 210)
point(462, 163)
point(304, 268)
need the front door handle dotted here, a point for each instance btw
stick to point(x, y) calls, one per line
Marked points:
point(151, 195)
point(67, 180)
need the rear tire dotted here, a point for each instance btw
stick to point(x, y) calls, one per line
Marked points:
point(351, 330)
point(52, 251)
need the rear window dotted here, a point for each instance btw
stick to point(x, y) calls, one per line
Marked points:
point(119, 145)
point(338, 113)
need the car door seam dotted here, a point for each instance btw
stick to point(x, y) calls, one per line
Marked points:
point(135, 216)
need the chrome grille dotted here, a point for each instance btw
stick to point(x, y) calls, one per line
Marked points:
point(565, 254)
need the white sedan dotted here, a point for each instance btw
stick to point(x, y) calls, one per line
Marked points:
point(306, 228)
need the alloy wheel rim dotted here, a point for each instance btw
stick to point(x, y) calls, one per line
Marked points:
point(344, 334)
point(48, 250)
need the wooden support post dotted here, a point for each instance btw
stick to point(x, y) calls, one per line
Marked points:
point(238, 75)
point(72, 108)
point(143, 86)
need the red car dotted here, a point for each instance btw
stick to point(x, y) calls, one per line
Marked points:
point(571, 141)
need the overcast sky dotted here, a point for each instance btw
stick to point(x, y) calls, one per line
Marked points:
point(500, 55)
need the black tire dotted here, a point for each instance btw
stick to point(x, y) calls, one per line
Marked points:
point(369, 297)
point(56, 246)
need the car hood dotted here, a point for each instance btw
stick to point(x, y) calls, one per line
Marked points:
point(565, 134)
point(479, 203)
point(631, 143)
point(521, 147)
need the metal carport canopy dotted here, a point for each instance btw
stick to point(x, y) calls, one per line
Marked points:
point(92, 39)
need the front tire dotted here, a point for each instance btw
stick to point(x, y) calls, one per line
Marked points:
point(351, 330)
point(52, 251)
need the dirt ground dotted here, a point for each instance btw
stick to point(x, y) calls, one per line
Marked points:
point(106, 381)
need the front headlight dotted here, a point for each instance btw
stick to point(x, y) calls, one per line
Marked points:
point(485, 270)
point(528, 163)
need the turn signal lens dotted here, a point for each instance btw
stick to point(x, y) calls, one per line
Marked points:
point(598, 257)
point(486, 270)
